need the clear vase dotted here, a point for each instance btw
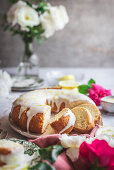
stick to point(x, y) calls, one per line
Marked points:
point(29, 66)
point(28, 72)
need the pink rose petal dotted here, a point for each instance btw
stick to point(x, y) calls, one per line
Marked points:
point(100, 150)
point(97, 92)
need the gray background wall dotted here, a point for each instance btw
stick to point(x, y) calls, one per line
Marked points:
point(87, 41)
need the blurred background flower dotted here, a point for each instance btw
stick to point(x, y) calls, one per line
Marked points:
point(33, 21)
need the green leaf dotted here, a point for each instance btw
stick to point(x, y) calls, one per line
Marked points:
point(83, 89)
point(41, 7)
point(50, 153)
point(42, 166)
point(6, 27)
point(90, 82)
point(13, 1)
point(41, 31)
point(38, 1)
point(28, 3)
point(39, 39)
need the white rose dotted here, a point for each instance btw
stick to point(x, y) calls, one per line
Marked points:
point(54, 20)
point(23, 15)
point(60, 17)
point(11, 12)
point(26, 16)
point(47, 24)
point(73, 143)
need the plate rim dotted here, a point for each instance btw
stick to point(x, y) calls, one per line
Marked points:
point(21, 131)
point(29, 88)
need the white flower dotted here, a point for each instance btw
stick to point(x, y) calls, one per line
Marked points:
point(61, 17)
point(22, 14)
point(47, 24)
point(53, 20)
point(73, 143)
point(26, 16)
point(106, 133)
point(73, 153)
point(106, 130)
point(5, 83)
point(11, 12)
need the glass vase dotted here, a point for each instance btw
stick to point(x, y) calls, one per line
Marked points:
point(29, 66)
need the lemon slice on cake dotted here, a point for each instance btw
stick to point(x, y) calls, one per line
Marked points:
point(67, 77)
point(68, 84)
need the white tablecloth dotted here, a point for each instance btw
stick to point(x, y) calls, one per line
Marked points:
point(104, 77)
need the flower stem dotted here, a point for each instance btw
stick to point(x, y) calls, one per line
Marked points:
point(28, 51)
point(27, 54)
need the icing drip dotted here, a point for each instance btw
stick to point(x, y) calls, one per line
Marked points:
point(34, 110)
point(71, 121)
point(39, 97)
point(58, 101)
point(22, 109)
point(90, 116)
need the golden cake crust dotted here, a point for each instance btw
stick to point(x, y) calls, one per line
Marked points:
point(36, 122)
point(68, 130)
point(15, 114)
point(59, 124)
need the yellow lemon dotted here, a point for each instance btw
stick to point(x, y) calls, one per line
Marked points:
point(69, 84)
point(67, 77)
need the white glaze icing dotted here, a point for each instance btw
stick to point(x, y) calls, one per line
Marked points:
point(34, 110)
point(90, 116)
point(39, 97)
point(71, 121)
point(35, 101)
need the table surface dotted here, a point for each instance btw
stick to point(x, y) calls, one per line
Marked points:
point(102, 76)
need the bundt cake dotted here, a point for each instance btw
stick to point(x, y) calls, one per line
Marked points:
point(64, 121)
point(84, 120)
point(31, 111)
point(12, 155)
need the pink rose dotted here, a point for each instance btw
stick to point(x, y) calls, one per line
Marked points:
point(97, 92)
point(98, 150)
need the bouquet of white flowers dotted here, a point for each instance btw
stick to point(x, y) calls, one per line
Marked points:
point(30, 21)
point(35, 20)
